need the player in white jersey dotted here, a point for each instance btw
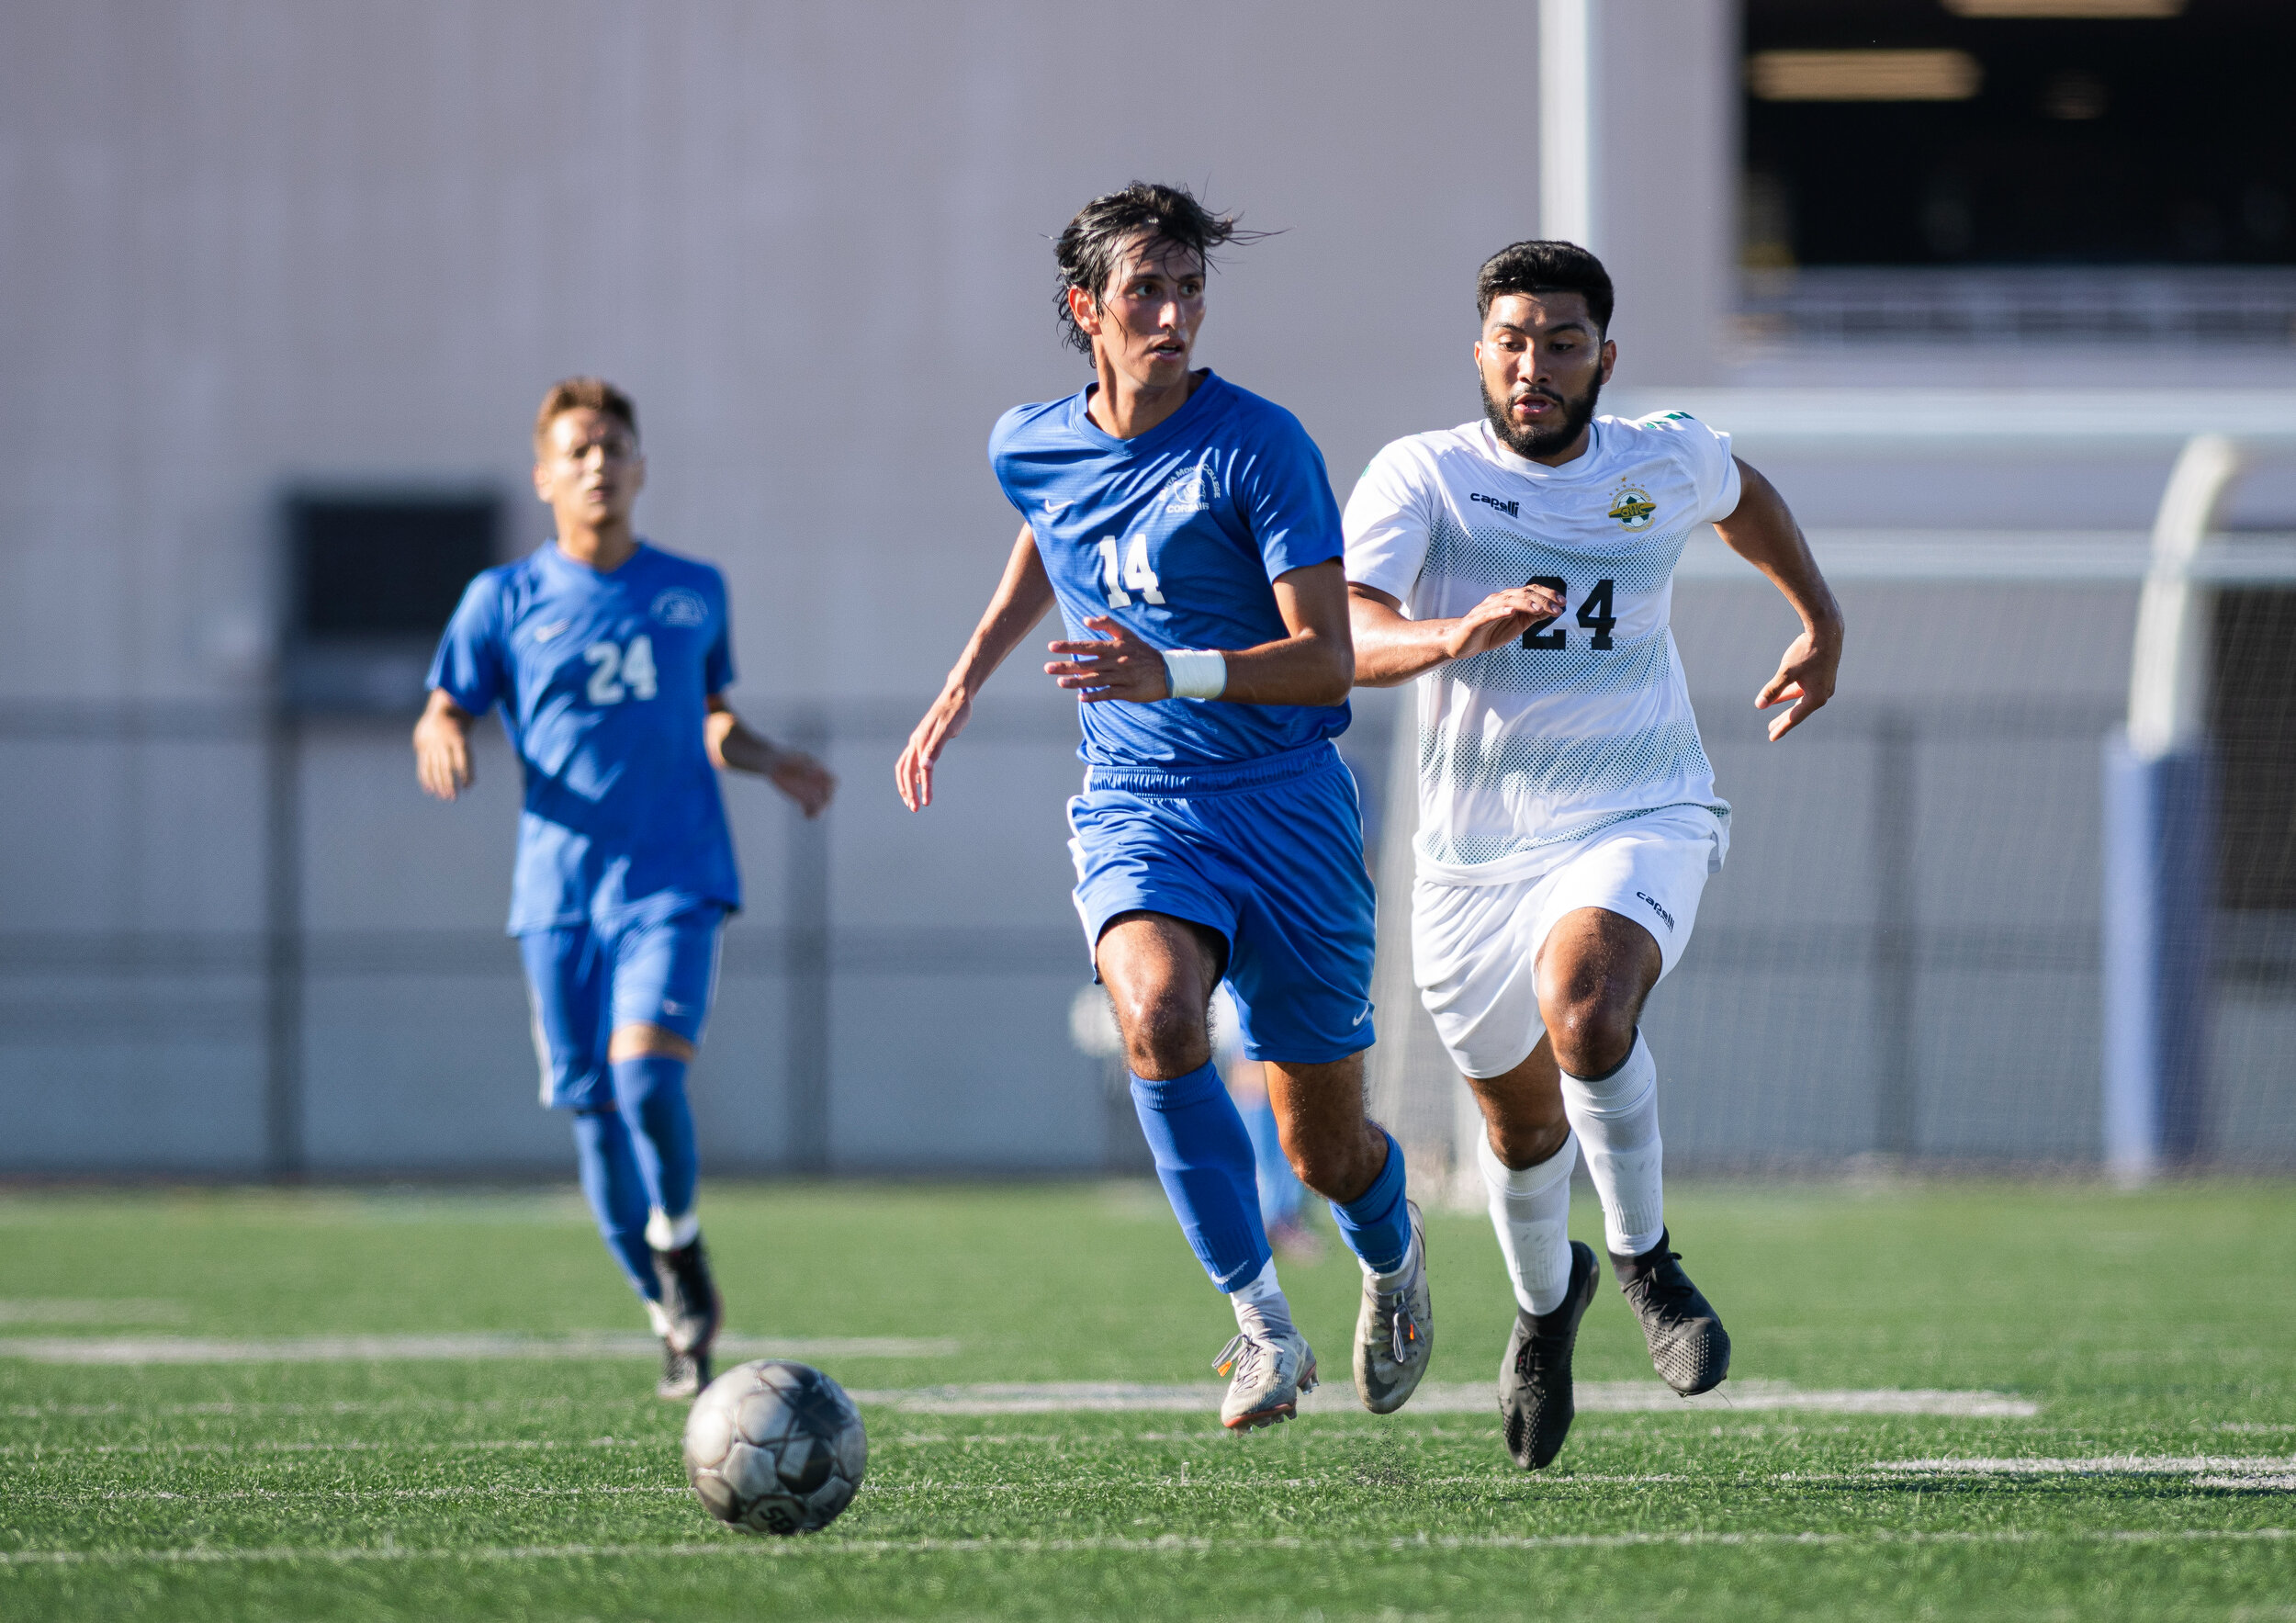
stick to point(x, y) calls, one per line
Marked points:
point(1523, 564)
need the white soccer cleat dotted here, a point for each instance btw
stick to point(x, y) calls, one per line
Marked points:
point(1266, 1374)
point(1395, 1332)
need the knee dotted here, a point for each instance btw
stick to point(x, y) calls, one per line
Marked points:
point(1593, 1027)
point(1519, 1145)
point(1164, 1036)
point(641, 1040)
point(1337, 1165)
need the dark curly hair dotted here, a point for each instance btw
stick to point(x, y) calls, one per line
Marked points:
point(1546, 268)
point(1089, 249)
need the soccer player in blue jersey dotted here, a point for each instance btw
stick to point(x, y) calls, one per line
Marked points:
point(610, 659)
point(1187, 532)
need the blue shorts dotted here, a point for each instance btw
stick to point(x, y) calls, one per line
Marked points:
point(585, 981)
point(1267, 854)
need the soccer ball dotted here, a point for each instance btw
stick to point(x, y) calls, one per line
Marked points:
point(773, 1447)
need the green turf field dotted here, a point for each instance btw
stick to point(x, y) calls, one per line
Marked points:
point(2153, 1337)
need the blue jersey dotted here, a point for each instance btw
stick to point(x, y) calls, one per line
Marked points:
point(603, 681)
point(1176, 533)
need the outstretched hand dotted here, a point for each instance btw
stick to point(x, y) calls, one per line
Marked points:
point(1804, 678)
point(1117, 665)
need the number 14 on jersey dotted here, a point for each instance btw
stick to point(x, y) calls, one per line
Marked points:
point(1133, 574)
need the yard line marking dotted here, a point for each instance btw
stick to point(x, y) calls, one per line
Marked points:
point(320, 1349)
point(1615, 1397)
point(494, 1491)
point(345, 1406)
point(2095, 1465)
point(38, 1309)
point(416, 1445)
point(1169, 1544)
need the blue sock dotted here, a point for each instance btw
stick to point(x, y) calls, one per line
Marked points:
point(1204, 1159)
point(652, 1092)
point(616, 1194)
point(1377, 1224)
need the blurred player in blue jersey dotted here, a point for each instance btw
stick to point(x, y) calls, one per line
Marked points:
point(610, 659)
point(1187, 532)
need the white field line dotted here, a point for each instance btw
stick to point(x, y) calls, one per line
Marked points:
point(346, 1407)
point(413, 1445)
point(1553, 1481)
point(1615, 1397)
point(38, 1309)
point(873, 1548)
point(325, 1349)
point(2094, 1465)
point(493, 1491)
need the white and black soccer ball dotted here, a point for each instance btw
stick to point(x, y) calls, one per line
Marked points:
point(773, 1447)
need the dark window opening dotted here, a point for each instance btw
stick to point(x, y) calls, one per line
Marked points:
point(1937, 168)
point(389, 567)
point(372, 582)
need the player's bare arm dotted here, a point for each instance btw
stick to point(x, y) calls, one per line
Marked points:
point(737, 747)
point(442, 747)
point(1022, 598)
point(1313, 665)
point(1763, 532)
point(1390, 649)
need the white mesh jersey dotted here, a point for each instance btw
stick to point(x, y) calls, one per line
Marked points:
point(1586, 720)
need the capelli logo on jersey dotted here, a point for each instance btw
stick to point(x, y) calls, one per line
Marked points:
point(1512, 509)
point(1646, 896)
point(680, 607)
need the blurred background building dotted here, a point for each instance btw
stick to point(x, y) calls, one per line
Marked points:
point(284, 283)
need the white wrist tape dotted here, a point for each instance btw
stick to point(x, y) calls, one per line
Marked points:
point(1195, 673)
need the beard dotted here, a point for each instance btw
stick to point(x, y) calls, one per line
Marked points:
point(1544, 441)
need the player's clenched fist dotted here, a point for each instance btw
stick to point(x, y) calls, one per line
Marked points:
point(1501, 618)
point(1122, 667)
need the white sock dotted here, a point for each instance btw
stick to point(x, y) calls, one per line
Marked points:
point(1261, 1311)
point(665, 1233)
point(1530, 1206)
point(1616, 1118)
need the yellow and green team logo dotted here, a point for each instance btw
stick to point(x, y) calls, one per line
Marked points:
point(1632, 508)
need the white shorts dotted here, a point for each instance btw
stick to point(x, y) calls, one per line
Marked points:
point(1473, 945)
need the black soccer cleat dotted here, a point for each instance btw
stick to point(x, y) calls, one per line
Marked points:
point(1688, 1344)
point(689, 1306)
point(684, 1375)
point(1534, 1405)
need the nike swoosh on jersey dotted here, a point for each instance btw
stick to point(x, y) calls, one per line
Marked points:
point(545, 633)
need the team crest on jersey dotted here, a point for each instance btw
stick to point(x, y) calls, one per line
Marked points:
point(678, 606)
point(1632, 507)
point(1192, 490)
